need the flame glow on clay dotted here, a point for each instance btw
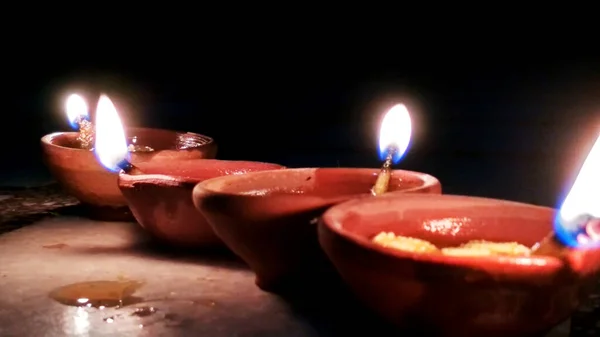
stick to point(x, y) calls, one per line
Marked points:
point(576, 224)
point(111, 144)
point(76, 107)
point(395, 132)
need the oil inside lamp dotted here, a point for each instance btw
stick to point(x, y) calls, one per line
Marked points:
point(111, 145)
point(577, 223)
point(394, 138)
point(78, 116)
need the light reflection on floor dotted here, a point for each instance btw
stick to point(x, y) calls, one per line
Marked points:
point(81, 322)
point(86, 322)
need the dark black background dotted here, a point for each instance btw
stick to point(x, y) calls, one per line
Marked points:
point(509, 116)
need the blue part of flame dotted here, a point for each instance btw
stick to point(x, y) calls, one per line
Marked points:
point(117, 167)
point(383, 154)
point(74, 124)
point(566, 236)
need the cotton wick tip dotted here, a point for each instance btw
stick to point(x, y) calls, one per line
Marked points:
point(129, 168)
point(86, 133)
point(383, 178)
point(588, 233)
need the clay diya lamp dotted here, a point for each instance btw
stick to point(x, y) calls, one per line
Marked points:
point(159, 193)
point(268, 218)
point(80, 174)
point(161, 198)
point(446, 295)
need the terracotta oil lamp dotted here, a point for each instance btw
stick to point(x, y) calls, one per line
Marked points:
point(470, 296)
point(269, 218)
point(159, 193)
point(72, 162)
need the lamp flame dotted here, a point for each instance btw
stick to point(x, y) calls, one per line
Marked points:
point(395, 132)
point(76, 108)
point(111, 144)
point(577, 224)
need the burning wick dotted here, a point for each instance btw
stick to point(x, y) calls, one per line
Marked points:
point(86, 133)
point(394, 138)
point(383, 178)
point(77, 113)
point(111, 145)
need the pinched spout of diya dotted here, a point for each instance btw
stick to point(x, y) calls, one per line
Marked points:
point(579, 249)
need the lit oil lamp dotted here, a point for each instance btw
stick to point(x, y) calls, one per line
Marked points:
point(268, 218)
point(159, 194)
point(69, 157)
point(496, 286)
